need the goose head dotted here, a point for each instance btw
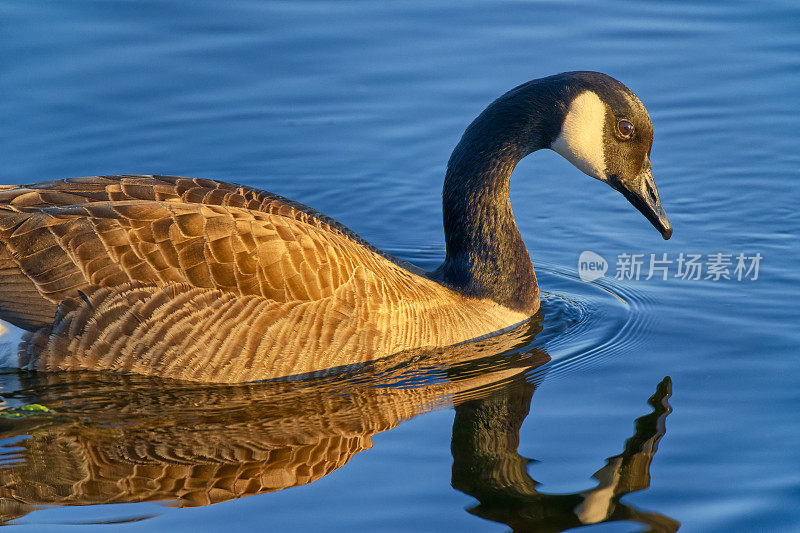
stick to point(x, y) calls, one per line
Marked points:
point(606, 132)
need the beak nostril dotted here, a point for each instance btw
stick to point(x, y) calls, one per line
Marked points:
point(650, 192)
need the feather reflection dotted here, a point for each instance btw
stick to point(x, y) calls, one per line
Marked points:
point(124, 438)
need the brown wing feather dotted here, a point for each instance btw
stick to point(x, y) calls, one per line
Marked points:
point(21, 303)
point(212, 291)
point(66, 249)
point(72, 191)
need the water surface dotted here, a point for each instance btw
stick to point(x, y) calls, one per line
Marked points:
point(353, 108)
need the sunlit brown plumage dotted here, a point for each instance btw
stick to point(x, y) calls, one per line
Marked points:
point(204, 280)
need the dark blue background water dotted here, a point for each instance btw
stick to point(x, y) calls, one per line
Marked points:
point(353, 108)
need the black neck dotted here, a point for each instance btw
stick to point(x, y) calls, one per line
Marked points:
point(486, 257)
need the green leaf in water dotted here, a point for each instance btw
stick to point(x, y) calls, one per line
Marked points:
point(35, 407)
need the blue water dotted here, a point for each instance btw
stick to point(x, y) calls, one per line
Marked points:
point(353, 108)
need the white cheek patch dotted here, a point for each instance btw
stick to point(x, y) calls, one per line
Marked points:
point(581, 139)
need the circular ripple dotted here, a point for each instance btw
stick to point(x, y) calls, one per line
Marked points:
point(585, 323)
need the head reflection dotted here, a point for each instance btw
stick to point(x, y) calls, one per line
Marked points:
point(119, 439)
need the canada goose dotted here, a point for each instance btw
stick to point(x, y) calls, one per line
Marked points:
point(203, 280)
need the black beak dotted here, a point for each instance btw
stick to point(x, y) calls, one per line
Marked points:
point(643, 195)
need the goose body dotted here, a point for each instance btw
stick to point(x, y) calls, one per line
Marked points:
point(210, 281)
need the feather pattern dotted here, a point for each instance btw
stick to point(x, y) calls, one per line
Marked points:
point(204, 280)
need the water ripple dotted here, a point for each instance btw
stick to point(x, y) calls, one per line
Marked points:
point(586, 323)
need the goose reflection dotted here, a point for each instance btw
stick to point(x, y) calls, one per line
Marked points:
point(486, 466)
point(119, 439)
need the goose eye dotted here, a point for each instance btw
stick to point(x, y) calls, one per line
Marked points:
point(624, 129)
